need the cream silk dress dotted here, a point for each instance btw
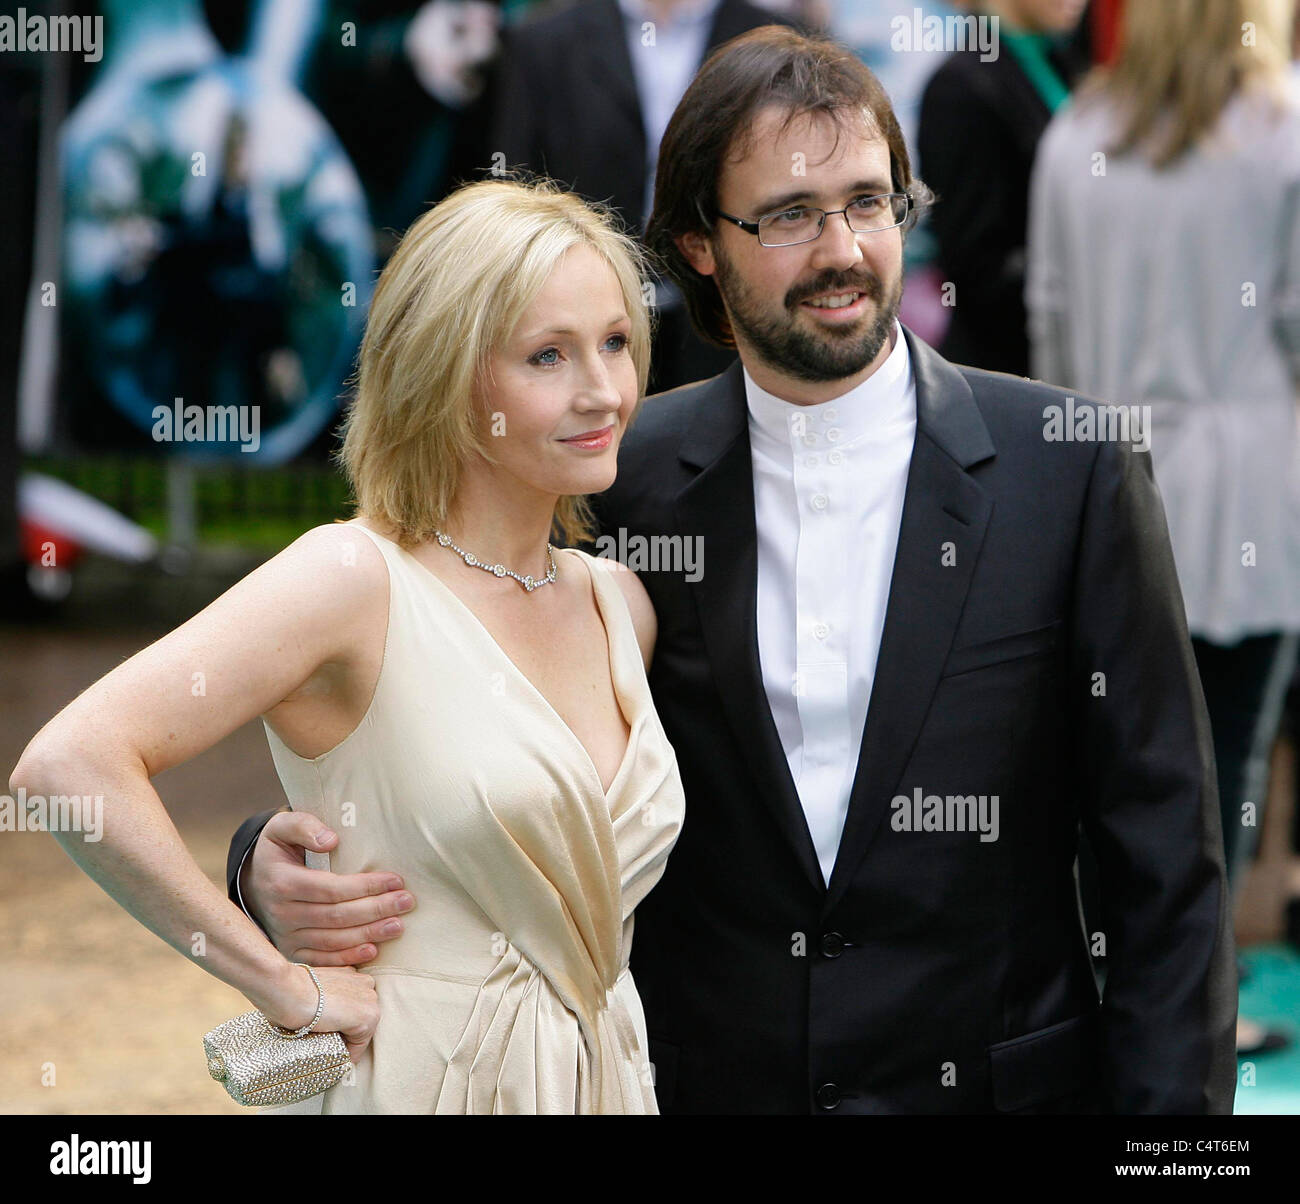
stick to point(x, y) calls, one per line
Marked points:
point(508, 990)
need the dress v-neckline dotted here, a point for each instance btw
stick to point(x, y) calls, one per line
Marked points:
point(632, 723)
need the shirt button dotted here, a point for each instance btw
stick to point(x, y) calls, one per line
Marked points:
point(810, 439)
point(833, 434)
point(819, 501)
point(836, 456)
point(821, 631)
point(828, 1096)
point(811, 461)
point(832, 415)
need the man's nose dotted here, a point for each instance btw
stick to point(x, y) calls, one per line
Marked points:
point(837, 245)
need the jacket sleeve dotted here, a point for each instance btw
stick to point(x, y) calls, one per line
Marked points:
point(1149, 805)
point(241, 845)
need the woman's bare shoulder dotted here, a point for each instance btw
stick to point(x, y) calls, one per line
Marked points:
point(333, 573)
point(339, 554)
point(644, 620)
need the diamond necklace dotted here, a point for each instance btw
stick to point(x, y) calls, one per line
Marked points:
point(529, 582)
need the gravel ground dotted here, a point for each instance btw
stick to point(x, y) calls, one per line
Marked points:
point(89, 997)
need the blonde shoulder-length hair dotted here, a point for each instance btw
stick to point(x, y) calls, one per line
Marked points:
point(451, 294)
point(1181, 61)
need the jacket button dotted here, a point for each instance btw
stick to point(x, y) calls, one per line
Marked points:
point(828, 1096)
point(832, 944)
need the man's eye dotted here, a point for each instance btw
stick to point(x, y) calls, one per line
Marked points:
point(869, 203)
point(791, 215)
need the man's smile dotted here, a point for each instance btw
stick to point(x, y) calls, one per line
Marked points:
point(837, 301)
point(837, 309)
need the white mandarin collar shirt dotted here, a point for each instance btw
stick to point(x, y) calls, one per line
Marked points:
point(829, 481)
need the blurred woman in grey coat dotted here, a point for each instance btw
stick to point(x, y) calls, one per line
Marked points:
point(1164, 272)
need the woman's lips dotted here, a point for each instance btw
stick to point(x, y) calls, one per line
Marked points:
point(593, 440)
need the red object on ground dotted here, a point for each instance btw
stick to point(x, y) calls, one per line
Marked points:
point(35, 543)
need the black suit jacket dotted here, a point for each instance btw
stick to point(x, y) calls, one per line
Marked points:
point(978, 134)
point(566, 101)
point(936, 972)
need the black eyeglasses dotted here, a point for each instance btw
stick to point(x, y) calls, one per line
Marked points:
point(803, 223)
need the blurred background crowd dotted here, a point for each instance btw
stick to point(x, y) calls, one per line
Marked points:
point(194, 216)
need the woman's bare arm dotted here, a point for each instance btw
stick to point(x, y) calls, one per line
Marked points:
point(307, 617)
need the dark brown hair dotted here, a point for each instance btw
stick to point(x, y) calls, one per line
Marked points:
point(771, 65)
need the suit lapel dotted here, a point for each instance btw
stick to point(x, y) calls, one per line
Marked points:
point(719, 506)
point(942, 505)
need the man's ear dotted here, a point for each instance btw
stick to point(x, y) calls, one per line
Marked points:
point(697, 251)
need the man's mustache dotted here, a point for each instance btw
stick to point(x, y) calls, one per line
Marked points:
point(868, 285)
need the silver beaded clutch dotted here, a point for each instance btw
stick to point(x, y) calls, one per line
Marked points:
point(260, 1066)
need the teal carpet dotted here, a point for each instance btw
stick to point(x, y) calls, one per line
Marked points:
point(1271, 996)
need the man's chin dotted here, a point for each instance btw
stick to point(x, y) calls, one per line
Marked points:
point(836, 333)
point(849, 348)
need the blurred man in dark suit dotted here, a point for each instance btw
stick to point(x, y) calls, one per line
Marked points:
point(981, 119)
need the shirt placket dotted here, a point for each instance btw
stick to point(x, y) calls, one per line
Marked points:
point(821, 641)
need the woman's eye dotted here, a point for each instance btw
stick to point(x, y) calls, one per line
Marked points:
point(537, 357)
point(620, 340)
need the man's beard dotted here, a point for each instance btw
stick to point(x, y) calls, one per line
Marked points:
point(830, 354)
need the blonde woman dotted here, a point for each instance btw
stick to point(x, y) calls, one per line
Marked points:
point(463, 703)
point(1164, 273)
